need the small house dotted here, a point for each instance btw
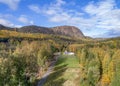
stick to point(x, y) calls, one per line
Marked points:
point(69, 53)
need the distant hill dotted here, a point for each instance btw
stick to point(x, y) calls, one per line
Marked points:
point(2, 27)
point(35, 29)
point(71, 31)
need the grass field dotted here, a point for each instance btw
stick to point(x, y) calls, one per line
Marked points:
point(70, 61)
point(66, 71)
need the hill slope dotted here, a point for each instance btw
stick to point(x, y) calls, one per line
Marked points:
point(35, 29)
point(68, 31)
point(71, 31)
point(2, 27)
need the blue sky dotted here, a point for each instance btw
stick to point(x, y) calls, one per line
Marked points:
point(96, 18)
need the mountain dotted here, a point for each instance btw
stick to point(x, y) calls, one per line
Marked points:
point(2, 27)
point(71, 31)
point(35, 29)
point(68, 31)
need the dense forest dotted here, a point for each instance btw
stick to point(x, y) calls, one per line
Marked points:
point(25, 57)
point(99, 62)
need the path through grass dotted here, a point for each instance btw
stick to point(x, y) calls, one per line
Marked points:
point(65, 72)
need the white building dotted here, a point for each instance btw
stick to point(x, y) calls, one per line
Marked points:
point(69, 53)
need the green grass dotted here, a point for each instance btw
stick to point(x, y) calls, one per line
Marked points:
point(70, 61)
point(65, 71)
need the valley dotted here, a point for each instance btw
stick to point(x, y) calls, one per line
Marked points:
point(60, 43)
point(26, 58)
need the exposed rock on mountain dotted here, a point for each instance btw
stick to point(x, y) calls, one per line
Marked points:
point(68, 31)
point(71, 31)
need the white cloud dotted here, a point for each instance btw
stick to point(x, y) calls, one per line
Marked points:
point(54, 10)
point(106, 14)
point(34, 8)
point(6, 23)
point(59, 3)
point(57, 13)
point(5, 19)
point(25, 20)
point(13, 4)
point(102, 15)
point(100, 8)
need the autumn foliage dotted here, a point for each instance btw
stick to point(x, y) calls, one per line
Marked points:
point(99, 63)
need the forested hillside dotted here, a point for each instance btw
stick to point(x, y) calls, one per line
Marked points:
point(60, 43)
point(25, 58)
point(70, 31)
point(99, 62)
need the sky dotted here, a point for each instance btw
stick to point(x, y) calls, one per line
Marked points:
point(95, 18)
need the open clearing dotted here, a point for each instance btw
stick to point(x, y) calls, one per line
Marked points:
point(66, 71)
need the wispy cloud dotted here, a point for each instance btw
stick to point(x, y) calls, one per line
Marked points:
point(6, 22)
point(105, 13)
point(100, 15)
point(13, 4)
point(34, 8)
point(5, 19)
point(112, 33)
point(25, 20)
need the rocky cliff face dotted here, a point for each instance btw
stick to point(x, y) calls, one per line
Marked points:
point(68, 31)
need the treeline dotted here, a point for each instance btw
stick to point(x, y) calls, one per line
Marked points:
point(99, 63)
point(6, 35)
point(22, 63)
